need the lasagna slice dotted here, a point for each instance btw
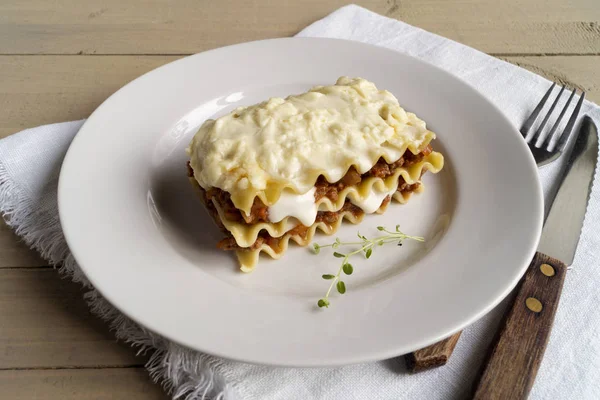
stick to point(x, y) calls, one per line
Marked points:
point(279, 170)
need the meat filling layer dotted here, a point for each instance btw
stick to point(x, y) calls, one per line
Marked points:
point(260, 211)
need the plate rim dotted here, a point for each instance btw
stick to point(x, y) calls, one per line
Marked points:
point(69, 236)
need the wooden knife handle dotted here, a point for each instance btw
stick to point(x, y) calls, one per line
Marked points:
point(432, 356)
point(517, 350)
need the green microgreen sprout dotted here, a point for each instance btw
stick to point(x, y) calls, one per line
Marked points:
point(366, 247)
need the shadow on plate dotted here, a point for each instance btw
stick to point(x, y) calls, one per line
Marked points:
point(179, 214)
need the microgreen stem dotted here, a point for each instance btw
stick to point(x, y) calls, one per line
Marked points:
point(367, 246)
point(335, 244)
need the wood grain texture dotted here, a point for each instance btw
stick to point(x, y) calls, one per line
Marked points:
point(516, 353)
point(570, 71)
point(80, 384)
point(432, 356)
point(45, 323)
point(73, 86)
point(37, 90)
point(14, 252)
point(190, 26)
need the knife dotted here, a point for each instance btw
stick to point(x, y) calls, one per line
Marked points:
point(516, 353)
point(439, 353)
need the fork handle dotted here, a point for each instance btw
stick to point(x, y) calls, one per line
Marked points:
point(432, 356)
point(516, 353)
point(439, 353)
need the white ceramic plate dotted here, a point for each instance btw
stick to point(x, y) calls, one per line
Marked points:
point(143, 239)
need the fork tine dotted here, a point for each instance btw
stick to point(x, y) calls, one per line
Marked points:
point(529, 122)
point(551, 134)
point(538, 137)
point(567, 132)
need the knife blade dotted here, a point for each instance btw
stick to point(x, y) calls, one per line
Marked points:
point(516, 353)
point(562, 228)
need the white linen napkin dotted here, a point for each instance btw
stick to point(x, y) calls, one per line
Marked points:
point(29, 166)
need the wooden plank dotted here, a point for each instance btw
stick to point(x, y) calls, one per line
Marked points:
point(579, 72)
point(14, 252)
point(190, 26)
point(46, 323)
point(36, 90)
point(79, 384)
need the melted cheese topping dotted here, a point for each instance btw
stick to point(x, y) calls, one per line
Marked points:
point(287, 143)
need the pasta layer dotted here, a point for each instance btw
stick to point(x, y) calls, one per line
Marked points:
point(249, 258)
point(245, 234)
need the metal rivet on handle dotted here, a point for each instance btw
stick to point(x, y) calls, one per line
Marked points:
point(547, 269)
point(534, 304)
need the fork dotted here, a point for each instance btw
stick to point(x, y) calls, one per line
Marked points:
point(546, 148)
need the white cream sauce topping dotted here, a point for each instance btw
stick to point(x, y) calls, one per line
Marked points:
point(290, 142)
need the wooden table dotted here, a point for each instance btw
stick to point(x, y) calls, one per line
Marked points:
point(60, 59)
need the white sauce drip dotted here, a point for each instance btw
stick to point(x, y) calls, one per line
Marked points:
point(373, 201)
point(303, 207)
point(300, 206)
